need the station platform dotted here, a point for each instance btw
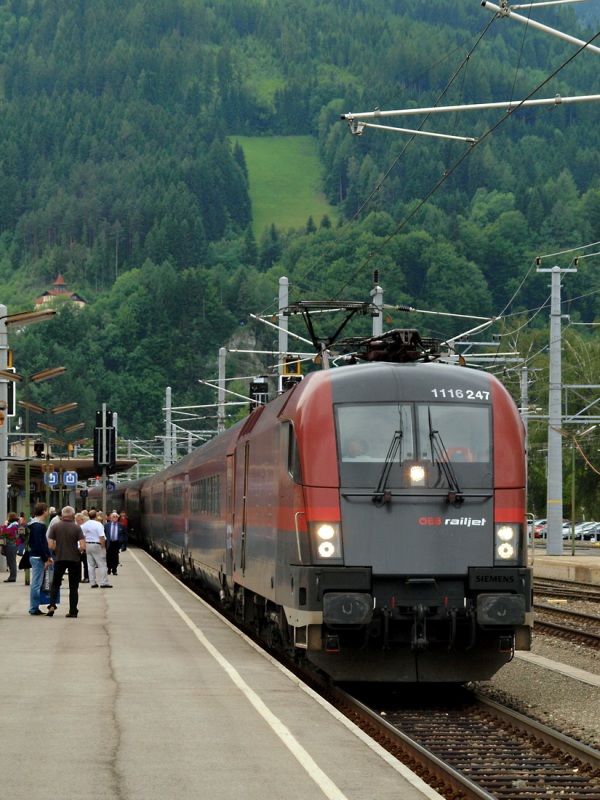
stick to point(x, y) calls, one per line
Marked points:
point(149, 694)
point(579, 568)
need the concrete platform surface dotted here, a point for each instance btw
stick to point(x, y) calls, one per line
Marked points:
point(578, 568)
point(149, 695)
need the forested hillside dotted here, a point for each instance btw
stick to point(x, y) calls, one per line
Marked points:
point(120, 168)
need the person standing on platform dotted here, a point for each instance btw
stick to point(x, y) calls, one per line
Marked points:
point(125, 523)
point(95, 541)
point(115, 535)
point(39, 554)
point(80, 518)
point(53, 519)
point(67, 541)
point(10, 531)
point(22, 534)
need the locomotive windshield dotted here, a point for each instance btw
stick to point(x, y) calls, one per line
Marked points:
point(424, 433)
point(464, 432)
point(364, 431)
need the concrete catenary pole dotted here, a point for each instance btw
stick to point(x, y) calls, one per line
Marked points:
point(525, 404)
point(283, 321)
point(221, 391)
point(377, 295)
point(167, 450)
point(554, 498)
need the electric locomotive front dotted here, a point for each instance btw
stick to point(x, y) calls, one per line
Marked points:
point(417, 517)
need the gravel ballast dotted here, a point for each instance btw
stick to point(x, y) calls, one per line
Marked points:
point(557, 700)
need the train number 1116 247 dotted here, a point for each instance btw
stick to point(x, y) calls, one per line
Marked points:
point(460, 394)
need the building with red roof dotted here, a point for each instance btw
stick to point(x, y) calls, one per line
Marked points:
point(59, 289)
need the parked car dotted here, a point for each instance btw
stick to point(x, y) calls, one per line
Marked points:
point(566, 529)
point(582, 527)
point(592, 532)
point(540, 529)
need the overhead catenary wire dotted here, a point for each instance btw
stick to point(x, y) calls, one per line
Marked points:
point(390, 169)
point(460, 160)
point(513, 107)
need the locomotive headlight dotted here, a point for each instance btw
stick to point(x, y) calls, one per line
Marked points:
point(507, 542)
point(505, 533)
point(414, 473)
point(506, 550)
point(327, 541)
point(417, 475)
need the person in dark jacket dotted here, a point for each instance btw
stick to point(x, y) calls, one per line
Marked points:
point(115, 536)
point(39, 554)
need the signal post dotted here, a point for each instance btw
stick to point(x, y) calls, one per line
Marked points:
point(105, 450)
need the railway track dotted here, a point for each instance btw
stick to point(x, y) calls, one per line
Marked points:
point(577, 626)
point(587, 592)
point(464, 745)
point(479, 749)
point(468, 747)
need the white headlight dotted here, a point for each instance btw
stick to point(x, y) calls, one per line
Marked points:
point(417, 474)
point(505, 550)
point(326, 550)
point(325, 532)
point(326, 541)
point(506, 534)
point(507, 542)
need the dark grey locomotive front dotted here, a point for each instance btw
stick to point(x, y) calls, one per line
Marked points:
point(431, 519)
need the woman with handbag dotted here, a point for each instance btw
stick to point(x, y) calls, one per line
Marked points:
point(10, 531)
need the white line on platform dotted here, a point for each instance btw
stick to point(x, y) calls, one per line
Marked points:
point(556, 666)
point(323, 781)
point(398, 766)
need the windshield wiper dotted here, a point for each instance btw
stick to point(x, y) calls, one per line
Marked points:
point(380, 496)
point(440, 454)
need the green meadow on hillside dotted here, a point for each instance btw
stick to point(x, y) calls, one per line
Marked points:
point(285, 182)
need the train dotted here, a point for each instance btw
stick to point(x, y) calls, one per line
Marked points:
point(370, 519)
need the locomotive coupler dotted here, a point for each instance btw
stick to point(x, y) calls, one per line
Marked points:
point(419, 629)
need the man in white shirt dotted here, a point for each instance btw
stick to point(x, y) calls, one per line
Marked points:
point(95, 539)
point(53, 521)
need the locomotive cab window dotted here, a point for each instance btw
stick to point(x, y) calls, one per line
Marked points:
point(411, 443)
point(454, 433)
point(365, 432)
point(293, 454)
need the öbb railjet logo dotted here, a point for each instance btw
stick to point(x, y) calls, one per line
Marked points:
point(465, 522)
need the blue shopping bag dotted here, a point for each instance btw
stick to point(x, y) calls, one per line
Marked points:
point(45, 588)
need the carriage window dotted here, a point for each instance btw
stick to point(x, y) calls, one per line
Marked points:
point(157, 500)
point(293, 455)
point(205, 496)
point(366, 432)
point(455, 433)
